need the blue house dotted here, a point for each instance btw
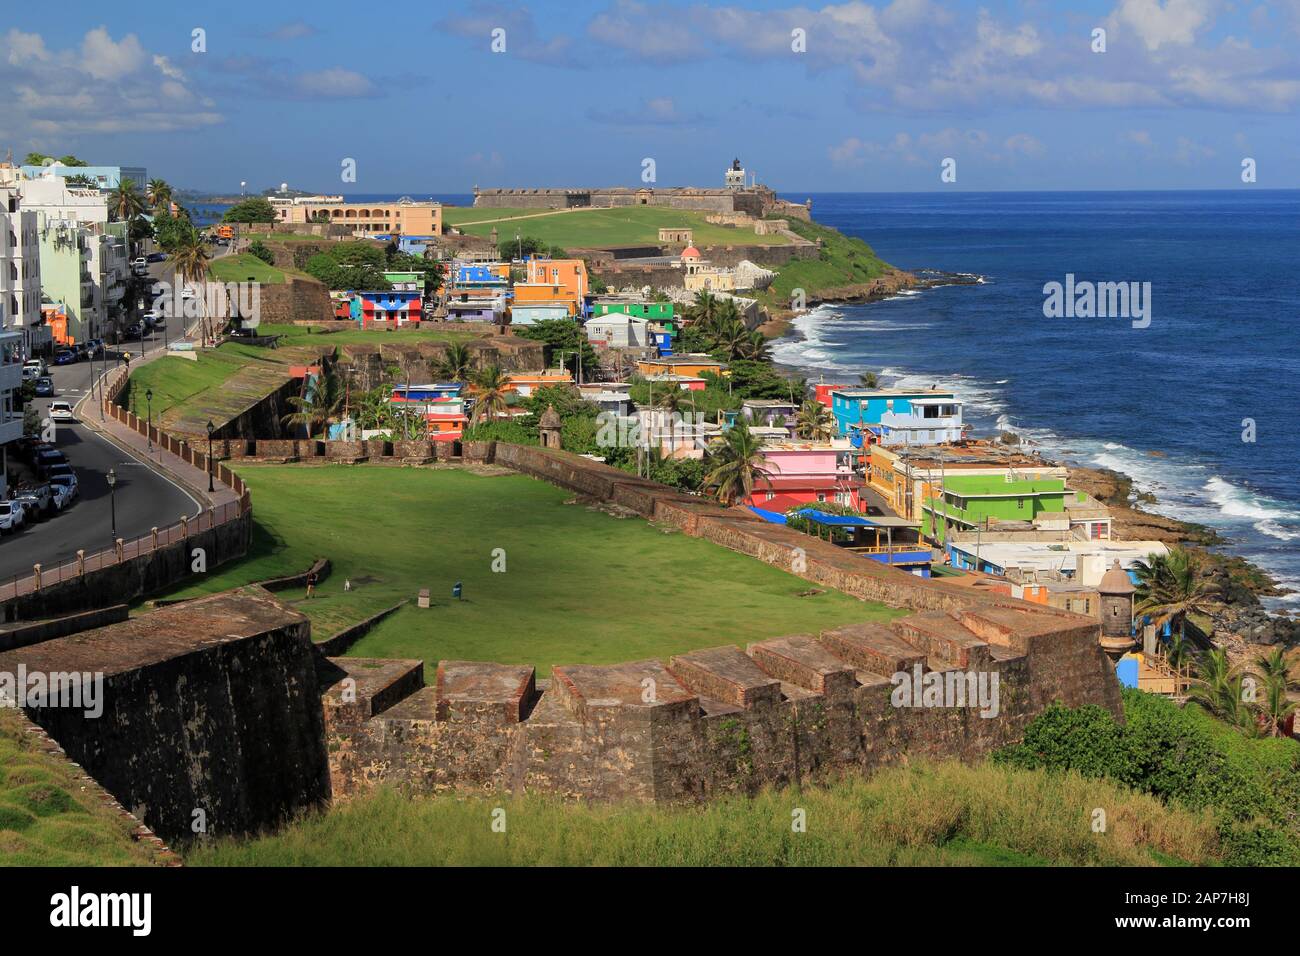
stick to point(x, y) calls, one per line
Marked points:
point(856, 408)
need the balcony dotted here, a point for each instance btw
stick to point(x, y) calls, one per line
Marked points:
point(11, 377)
point(11, 429)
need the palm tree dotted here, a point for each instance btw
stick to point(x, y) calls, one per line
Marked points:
point(1217, 688)
point(125, 201)
point(737, 465)
point(1171, 587)
point(456, 363)
point(814, 422)
point(869, 380)
point(190, 260)
point(1275, 706)
point(703, 309)
point(158, 193)
point(733, 339)
point(490, 387)
point(317, 406)
point(756, 348)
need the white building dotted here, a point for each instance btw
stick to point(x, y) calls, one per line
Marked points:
point(616, 330)
point(107, 248)
point(928, 421)
point(20, 271)
point(11, 382)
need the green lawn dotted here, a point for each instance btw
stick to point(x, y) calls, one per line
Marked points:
point(48, 818)
point(579, 586)
point(631, 225)
point(175, 380)
point(945, 814)
point(312, 335)
point(240, 267)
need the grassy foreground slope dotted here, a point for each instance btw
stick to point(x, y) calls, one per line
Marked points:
point(573, 585)
point(942, 814)
point(48, 818)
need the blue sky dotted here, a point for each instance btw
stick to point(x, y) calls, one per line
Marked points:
point(585, 91)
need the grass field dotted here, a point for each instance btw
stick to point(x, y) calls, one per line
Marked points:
point(631, 225)
point(312, 335)
point(48, 819)
point(843, 261)
point(944, 814)
point(579, 586)
point(175, 380)
point(242, 266)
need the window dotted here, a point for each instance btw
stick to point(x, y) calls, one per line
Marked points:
point(1020, 504)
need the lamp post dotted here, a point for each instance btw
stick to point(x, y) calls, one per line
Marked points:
point(211, 429)
point(148, 404)
point(111, 478)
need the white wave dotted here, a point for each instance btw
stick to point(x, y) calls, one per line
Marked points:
point(1238, 502)
point(1275, 530)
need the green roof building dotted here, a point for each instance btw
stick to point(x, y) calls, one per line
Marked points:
point(970, 501)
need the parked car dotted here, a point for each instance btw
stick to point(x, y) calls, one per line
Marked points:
point(64, 490)
point(66, 357)
point(30, 374)
point(47, 459)
point(157, 289)
point(56, 472)
point(45, 386)
point(12, 515)
point(37, 499)
point(61, 411)
point(38, 365)
point(95, 347)
point(188, 292)
point(134, 331)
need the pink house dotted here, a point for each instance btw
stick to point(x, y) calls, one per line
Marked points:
point(806, 473)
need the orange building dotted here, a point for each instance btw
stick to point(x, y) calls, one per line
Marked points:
point(551, 281)
point(525, 383)
point(57, 320)
point(689, 365)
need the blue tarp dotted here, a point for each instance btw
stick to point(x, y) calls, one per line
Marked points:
point(839, 521)
point(772, 516)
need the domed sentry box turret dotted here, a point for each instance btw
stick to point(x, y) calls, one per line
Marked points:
point(1116, 593)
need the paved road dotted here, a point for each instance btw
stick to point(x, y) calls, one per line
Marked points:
point(143, 498)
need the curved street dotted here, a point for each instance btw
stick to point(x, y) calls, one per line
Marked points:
point(143, 498)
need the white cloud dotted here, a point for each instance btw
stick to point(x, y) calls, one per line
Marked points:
point(332, 83)
point(1158, 24)
point(99, 85)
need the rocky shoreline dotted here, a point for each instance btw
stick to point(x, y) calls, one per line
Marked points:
point(1239, 620)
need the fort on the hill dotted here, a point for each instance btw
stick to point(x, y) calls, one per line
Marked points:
point(735, 196)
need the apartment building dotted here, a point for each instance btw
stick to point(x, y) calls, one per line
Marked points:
point(405, 217)
point(20, 272)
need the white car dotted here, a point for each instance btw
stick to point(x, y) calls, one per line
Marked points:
point(64, 488)
point(12, 515)
point(61, 411)
point(188, 293)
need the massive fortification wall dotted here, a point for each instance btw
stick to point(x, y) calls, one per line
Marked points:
point(210, 712)
point(718, 720)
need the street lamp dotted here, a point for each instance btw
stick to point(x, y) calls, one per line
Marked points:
point(111, 478)
point(148, 404)
point(211, 429)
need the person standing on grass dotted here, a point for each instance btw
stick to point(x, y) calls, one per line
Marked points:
point(311, 585)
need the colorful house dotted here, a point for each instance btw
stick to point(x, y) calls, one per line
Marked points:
point(907, 412)
point(528, 313)
point(553, 282)
point(525, 383)
point(968, 502)
point(801, 473)
point(648, 310)
point(693, 365)
point(395, 306)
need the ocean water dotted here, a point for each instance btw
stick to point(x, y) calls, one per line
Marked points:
point(1165, 404)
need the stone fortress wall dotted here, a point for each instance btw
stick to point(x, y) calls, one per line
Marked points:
point(224, 704)
point(719, 720)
